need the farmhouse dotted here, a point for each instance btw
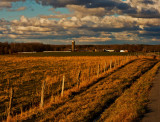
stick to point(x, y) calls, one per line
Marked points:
point(27, 52)
point(55, 51)
point(124, 51)
point(105, 50)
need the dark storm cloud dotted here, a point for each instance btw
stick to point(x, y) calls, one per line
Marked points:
point(109, 5)
point(150, 35)
point(87, 3)
point(90, 20)
point(57, 36)
point(131, 11)
point(101, 3)
point(123, 6)
point(101, 29)
point(148, 2)
point(152, 32)
point(63, 3)
point(144, 13)
point(153, 29)
point(150, 13)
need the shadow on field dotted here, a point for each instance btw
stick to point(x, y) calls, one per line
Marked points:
point(100, 78)
point(111, 101)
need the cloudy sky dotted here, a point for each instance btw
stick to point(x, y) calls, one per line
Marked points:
point(85, 21)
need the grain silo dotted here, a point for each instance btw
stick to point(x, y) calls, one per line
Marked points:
point(73, 46)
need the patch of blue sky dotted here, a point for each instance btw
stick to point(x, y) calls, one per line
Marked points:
point(116, 15)
point(32, 10)
point(63, 10)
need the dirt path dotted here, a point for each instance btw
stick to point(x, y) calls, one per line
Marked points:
point(154, 106)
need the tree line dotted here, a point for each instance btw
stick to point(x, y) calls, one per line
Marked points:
point(11, 48)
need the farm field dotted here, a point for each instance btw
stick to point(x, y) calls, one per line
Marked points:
point(92, 85)
point(66, 54)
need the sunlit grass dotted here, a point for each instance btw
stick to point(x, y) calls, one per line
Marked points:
point(25, 76)
point(132, 104)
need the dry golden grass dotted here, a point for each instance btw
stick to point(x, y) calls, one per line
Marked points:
point(84, 106)
point(132, 104)
point(25, 74)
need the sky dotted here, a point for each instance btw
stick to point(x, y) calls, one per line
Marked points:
point(84, 21)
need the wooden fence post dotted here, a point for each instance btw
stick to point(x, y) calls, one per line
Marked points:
point(89, 72)
point(79, 75)
point(118, 62)
point(125, 59)
point(122, 61)
point(10, 105)
point(105, 67)
point(42, 94)
point(115, 63)
point(62, 92)
point(21, 110)
point(98, 70)
point(110, 64)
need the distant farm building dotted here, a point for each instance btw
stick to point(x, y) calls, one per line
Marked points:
point(98, 50)
point(123, 51)
point(105, 50)
point(55, 51)
point(27, 52)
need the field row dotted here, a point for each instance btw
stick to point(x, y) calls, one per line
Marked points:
point(97, 96)
point(87, 105)
point(25, 75)
point(132, 104)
